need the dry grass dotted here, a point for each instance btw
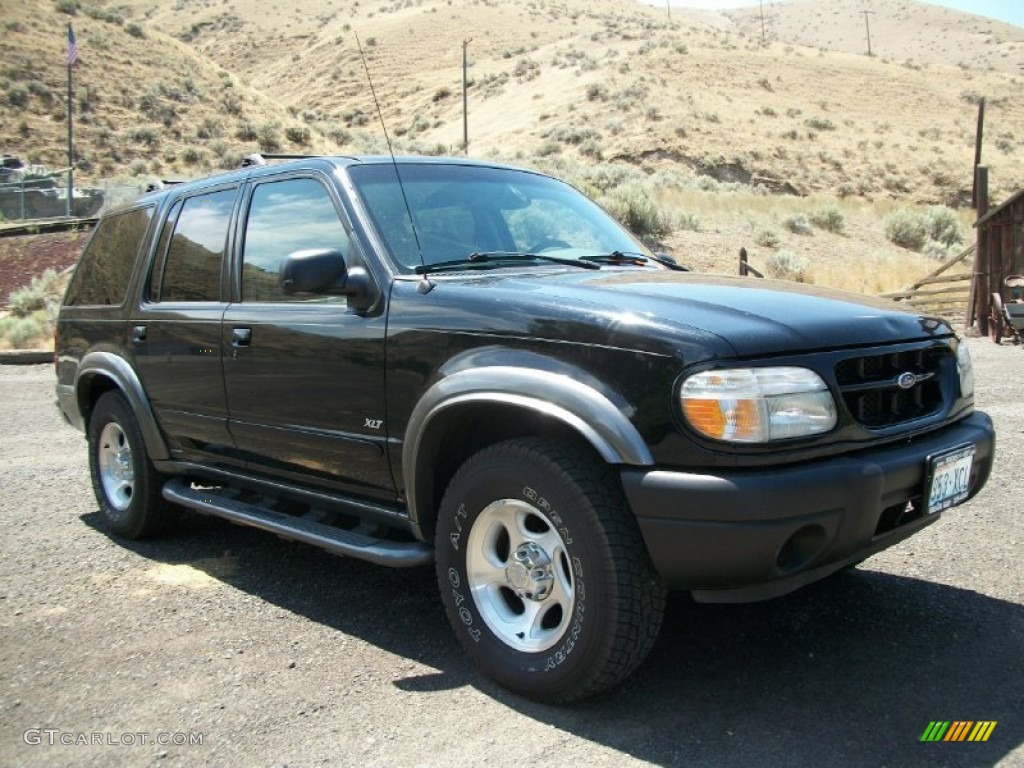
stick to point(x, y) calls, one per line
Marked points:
point(861, 259)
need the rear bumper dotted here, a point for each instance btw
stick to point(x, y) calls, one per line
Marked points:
point(738, 536)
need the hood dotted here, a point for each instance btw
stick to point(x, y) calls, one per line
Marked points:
point(653, 310)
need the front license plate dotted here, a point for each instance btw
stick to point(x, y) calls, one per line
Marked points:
point(949, 477)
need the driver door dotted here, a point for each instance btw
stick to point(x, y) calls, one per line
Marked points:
point(304, 375)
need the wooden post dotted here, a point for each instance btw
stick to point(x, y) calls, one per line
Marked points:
point(743, 262)
point(1017, 217)
point(978, 136)
point(980, 284)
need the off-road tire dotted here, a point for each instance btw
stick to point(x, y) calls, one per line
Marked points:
point(126, 485)
point(605, 604)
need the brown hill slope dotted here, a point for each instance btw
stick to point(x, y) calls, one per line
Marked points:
point(580, 81)
point(145, 103)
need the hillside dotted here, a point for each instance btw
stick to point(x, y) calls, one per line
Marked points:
point(905, 31)
point(179, 88)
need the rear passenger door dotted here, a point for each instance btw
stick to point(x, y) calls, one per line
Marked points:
point(304, 373)
point(176, 330)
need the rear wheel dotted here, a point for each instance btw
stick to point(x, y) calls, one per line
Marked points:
point(126, 485)
point(543, 572)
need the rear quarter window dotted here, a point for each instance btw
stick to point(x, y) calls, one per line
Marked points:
point(106, 266)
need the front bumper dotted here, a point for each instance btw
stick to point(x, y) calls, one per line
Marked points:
point(744, 535)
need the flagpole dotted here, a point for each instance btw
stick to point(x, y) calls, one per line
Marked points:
point(71, 129)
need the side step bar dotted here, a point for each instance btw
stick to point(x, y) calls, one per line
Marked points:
point(335, 540)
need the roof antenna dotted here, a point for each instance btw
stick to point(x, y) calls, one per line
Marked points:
point(425, 285)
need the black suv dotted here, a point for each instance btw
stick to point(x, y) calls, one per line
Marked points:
point(422, 360)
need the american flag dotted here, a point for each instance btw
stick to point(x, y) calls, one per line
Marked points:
point(72, 47)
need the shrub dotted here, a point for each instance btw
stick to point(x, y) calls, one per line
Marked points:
point(829, 218)
point(635, 209)
point(906, 230)
point(134, 29)
point(298, 134)
point(209, 128)
point(943, 226)
point(146, 135)
point(592, 148)
point(787, 266)
point(231, 103)
point(246, 131)
point(549, 147)
point(688, 221)
point(820, 123)
point(33, 297)
point(572, 134)
point(19, 331)
point(799, 225)
point(597, 92)
point(269, 138)
point(70, 7)
point(767, 238)
point(17, 95)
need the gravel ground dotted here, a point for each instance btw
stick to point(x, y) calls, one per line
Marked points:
point(271, 653)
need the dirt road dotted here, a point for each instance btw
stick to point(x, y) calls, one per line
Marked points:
point(224, 646)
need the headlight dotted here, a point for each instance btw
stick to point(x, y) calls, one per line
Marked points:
point(756, 405)
point(965, 368)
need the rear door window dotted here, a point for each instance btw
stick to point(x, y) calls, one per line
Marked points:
point(106, 267)
point(195, 252)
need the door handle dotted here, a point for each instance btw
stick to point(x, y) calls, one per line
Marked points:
point(139, 334)
point(241, 337)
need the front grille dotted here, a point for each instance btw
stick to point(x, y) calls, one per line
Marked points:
point(871, 390)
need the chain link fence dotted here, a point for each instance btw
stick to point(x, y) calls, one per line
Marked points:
point(46, 197)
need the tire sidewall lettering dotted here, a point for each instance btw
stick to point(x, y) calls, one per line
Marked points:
point(460, 522)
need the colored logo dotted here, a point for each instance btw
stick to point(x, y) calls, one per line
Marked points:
point(958, 730)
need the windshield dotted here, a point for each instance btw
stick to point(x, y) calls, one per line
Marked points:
point(461, 210)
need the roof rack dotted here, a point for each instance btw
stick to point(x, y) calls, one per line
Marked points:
point(259, 158)
point(153, 186)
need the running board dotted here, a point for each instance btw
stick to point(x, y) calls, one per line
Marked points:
point(338, 541)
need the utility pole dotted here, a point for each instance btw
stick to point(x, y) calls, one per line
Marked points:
point(762, 22)
point(465, 97)
point(72, 57)
point(867, 26)
point(979, 134)
point(668, 7)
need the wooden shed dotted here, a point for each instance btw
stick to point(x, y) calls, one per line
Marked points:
point(1000, 253)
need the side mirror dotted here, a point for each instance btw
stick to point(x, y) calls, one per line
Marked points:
point(323, 271)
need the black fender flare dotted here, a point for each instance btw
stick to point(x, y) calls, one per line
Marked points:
point(120, 373)
point(555, 395)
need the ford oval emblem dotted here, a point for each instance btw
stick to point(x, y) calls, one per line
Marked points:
point(906, 380)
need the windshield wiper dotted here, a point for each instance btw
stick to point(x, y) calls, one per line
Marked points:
point(502, 257)
point(621, 257)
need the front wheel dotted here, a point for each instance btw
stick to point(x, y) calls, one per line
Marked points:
point(543, 571)
point(126, 485)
